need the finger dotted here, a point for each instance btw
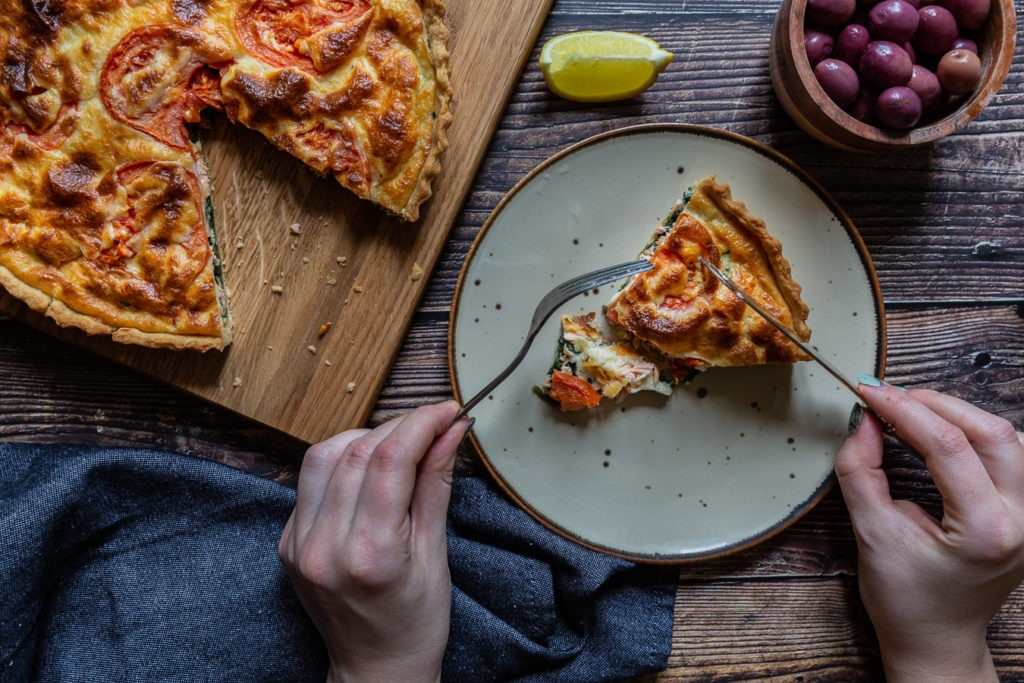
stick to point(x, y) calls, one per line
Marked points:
point(995, 440)
point(339, 491)
point(433, 489)
point(386, 495)
point(862, 480)
point(318, 465)
point(954, 465)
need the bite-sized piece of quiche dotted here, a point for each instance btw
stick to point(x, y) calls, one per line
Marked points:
point(683, 313)
point(590, 366)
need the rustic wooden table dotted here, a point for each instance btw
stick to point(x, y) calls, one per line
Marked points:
point(944, 225)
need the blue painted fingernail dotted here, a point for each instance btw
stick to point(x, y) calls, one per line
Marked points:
point(856, 416)
point(869, 380)
point(872, 381)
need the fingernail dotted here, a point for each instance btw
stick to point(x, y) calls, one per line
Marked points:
point(856, 415)
point(469, 425)
point(869, 380)
point(872, 381)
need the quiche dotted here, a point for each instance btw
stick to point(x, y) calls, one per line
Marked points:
point(591, 365)
point(106, 219)
point(678, 316)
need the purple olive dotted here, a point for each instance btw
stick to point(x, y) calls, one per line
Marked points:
point(959, 71)
point(850, 44)
point(936, 30)
point(818, 45)
point(830, 12)
point(885, 64)
point(965, 44)
point(863, 108)
point(970, 14)
point(898, 108)
point(926, 84)
point(838, 80)
point(894, 20)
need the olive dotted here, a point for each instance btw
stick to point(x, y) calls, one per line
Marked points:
point(863, 108)
point(936, 30)
point(959, 71)
point(898, 108)
point(962, 43)
point(926, 84)
point(818, 45)
point(894, 20)
point(831, 12)
point(885, 64)
point(970, 14)
point(838, 80)
point(850, 44)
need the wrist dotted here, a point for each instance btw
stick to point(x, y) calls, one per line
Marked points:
point(384, 672)
point(963, 665)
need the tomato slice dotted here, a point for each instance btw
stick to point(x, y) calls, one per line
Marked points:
point(155, 79)
point(271, 30)
point(51, 138)
point(574, 393)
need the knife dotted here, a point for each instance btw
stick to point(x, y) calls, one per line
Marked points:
point(887, 427)
point(749, 301)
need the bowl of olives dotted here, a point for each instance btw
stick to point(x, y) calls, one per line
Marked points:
point(880, 75)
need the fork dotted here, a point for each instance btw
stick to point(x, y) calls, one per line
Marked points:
point(548, 305)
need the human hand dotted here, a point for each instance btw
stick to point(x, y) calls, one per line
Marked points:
point(931, 586)
point(366, 549)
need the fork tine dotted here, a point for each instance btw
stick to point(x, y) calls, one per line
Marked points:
point(548, 305)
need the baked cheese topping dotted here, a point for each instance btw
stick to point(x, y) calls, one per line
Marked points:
point(687, 316)
point(677, 318)
point(103, 195)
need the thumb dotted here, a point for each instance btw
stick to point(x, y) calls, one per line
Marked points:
point(434, 482)
point(864, 483)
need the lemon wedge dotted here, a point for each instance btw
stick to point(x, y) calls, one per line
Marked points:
point(601, 66)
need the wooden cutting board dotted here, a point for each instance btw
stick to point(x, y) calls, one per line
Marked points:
point(346, 266)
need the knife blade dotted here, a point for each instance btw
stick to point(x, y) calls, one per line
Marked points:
point(887, 427)
point(790, 334)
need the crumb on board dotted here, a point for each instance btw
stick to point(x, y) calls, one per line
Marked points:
point(350, 387)
point(276, 289)
point(324, 329)
point(416, 273)
point(295, 229)
point(305, 259)
point(358, 289)
point(342, 260)
point(311, 349)
point(327, 363)
point(332, 281)
point(237, 383)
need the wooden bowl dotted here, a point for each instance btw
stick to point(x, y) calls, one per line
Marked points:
point(806, 102)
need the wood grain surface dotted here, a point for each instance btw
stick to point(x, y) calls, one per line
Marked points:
point(944, 225)
point(301, 253)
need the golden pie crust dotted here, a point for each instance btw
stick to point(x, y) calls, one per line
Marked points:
point(105, 212)
point(684, 314)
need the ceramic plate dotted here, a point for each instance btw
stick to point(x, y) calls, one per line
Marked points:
point(730, 458)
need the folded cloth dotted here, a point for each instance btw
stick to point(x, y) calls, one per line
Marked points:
point(137, 565)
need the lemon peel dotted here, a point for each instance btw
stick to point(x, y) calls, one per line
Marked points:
point(601, 66)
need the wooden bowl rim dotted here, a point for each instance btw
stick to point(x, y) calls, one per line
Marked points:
point(996, 56)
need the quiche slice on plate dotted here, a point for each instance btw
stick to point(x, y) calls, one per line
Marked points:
point(678, 317)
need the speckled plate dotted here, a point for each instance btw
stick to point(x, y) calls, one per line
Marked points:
point(729, 459)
